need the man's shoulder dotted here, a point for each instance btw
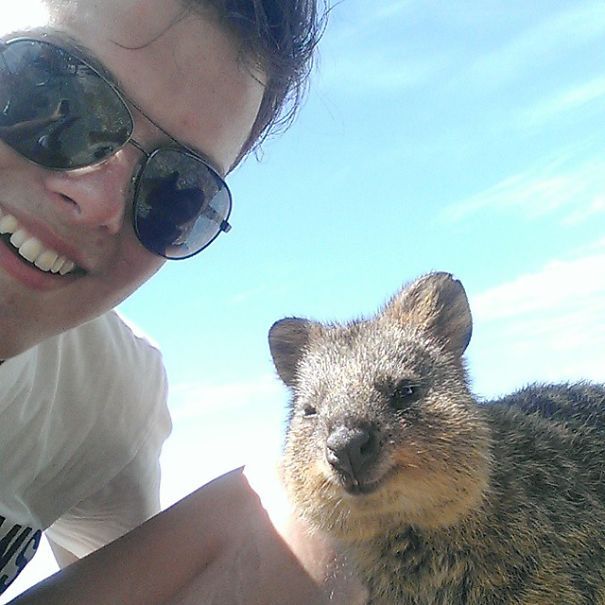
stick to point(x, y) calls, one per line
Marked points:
point(109, 360)
point(112, 338)
point(120, 376)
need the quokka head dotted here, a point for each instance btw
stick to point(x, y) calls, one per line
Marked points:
point(383, 431)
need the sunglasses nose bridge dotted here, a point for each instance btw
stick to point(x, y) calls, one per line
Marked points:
point(139, 147)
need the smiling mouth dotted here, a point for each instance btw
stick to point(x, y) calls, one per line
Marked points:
point(354, 487)
point(365, 486)
point(31, 250)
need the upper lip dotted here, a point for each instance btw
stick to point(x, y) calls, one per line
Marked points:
point(48, 238)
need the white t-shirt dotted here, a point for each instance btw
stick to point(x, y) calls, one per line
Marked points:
point(83, 417)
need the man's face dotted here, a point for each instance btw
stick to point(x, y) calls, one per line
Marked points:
point(185, 73)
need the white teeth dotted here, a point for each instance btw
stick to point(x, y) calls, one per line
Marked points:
point(32, 249)
point(67, 267)
point(19, 237)
point(8, 224)
point(46, 260)
point(58, 264)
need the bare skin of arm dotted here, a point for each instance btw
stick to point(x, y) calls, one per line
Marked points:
point(216, 546)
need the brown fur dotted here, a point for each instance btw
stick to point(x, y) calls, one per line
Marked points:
point(448, 501)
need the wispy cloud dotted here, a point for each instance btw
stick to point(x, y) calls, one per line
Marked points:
point(375, 71)
point(560, 285)
point(218, 427)
point(195, 400)
point(574, 192)
point(545, 325)
point(245, 296)
point(565, 102)
point(541, 43)
point(350, 21)
point(580, 215)
point(390, 9)
point(363, 54)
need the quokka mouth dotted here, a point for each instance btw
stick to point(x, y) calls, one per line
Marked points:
point(365, 486)
point(356, 487)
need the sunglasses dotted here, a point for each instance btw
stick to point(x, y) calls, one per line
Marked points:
point(59, 112)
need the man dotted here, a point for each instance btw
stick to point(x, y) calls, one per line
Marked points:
point(110, 113)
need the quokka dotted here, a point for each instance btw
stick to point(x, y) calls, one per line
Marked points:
point(439, 499)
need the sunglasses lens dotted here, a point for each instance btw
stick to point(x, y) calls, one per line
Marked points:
point(181, 204)
point(55, 109)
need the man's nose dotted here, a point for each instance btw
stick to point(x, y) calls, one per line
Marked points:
point(96, 196)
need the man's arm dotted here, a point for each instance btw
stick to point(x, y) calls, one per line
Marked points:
point(216, 546)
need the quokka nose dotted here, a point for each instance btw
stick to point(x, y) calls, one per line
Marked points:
point(351, 450)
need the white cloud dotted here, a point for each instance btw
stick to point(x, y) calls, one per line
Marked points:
point(597, 206)
point(543, 326)
point(350, 21)
point(565, 29)
point(388, 10)
point(371, 72)
point(363, 55)
point(192, 400)
point(573, 192)
point(218, 427)
point(245, 296)
point(569, 100)
point(561, 283)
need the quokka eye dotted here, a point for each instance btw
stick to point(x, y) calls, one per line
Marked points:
point(404, 392)
point(309, 411)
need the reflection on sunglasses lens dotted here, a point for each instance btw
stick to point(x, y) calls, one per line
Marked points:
point(56, 110)
point(181, 204)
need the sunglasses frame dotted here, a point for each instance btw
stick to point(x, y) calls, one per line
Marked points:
point(223, 226)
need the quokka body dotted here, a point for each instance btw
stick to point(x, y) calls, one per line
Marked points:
point(439, 499)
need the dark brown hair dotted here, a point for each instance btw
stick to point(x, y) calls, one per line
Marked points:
point(280, 37)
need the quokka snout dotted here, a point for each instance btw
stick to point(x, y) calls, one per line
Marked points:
point(439, 499)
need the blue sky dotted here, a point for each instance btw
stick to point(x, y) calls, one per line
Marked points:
point(466, 137)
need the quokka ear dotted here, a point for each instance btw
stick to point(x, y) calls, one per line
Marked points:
point(438, 304)
point(288, 339)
